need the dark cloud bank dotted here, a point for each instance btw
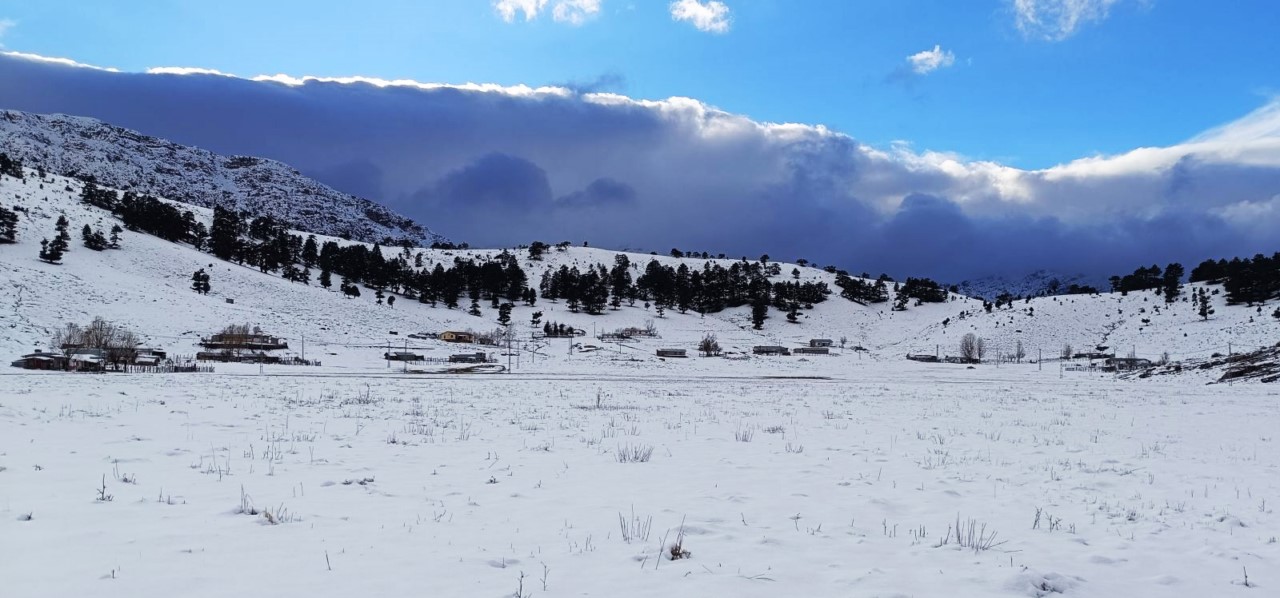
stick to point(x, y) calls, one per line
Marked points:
point(506, 166)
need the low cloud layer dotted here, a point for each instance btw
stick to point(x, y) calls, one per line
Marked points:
point(500, 166)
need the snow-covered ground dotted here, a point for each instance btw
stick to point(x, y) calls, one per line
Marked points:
point(459, 486)
point(818, 476)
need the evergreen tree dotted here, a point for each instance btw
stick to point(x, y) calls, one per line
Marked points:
point(391, 301)
point(309, 253)
point(326, 280)
point(52, 251)
point(61, 228)
point(504, 313)
point(1171, 282)
point(759, 311)
point(115, 236)
point(1203, 299)
point(224, 237)
point(8, 225)
point(200, 282)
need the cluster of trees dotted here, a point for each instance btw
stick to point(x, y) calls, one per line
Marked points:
point(11, 167)
point(147, 214)
point(1165, 282)
point(95, 240)
point(556, 329)
point(923, 290)
point(972, 347)
point(861, 291)
point(711, 289)
point(52, 251)
point(1249, 281)
point(118, 343)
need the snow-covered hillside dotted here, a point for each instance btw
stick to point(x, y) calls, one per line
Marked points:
point(124, 159)
point(145, 286)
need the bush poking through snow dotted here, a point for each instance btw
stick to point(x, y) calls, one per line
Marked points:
point(968, 533)
point(677, 550)
point(635, 528)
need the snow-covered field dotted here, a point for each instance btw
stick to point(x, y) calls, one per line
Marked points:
point(375, 485)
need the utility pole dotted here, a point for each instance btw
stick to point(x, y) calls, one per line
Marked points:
point(1039, 360)
point(406, 361)
point(304, 346)
point(388, 355)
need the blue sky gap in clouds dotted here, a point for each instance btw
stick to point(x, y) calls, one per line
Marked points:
point(1024, 92)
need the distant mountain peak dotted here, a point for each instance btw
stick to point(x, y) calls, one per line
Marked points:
point(1039, 282)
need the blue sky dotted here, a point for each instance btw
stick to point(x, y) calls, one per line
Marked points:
point(1131, 73)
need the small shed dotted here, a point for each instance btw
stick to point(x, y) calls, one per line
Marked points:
point(402, 356)
point(677, 353)
point(821, 342)
point(813, 351)
point(924, 357)
point(1127, 364)
point(770, 350)
point(477, 357)
point(40, 361)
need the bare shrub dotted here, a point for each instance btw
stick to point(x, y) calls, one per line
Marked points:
point(634, 453)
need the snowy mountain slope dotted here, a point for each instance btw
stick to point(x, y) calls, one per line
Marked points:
point(1040, 282)
point(145, 285)
point(124, 159)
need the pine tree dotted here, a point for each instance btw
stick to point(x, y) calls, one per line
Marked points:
point(391, 301)
point(51, 251)
point(326, 279)
point(1203, 298)
point(1170, 283)
point(759, 311)
point(115, 236)
point(8, 225)
point(63, 235)
point(504, 313)
point(309, 252)
point(200, 282)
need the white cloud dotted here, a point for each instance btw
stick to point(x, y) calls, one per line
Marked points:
point(710, 16)
point(507, 9)
point(575, 12)
point(185, 70)
point(928, 61)
point(61, 61)
point(1056, 20)
point(5, 26)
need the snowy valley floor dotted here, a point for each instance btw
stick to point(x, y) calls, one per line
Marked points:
point(223, 485)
